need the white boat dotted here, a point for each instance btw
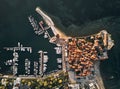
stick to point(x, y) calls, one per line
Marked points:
point(59, 66)
point(45, 59)
point(44, 69)
point(16, 64)
point(8, 62)
point(15, 59)
point(28, 64)
point(15, 54)
point(27, 71)
point(58, 50)
point(45, 52)
point(35, 64)
point(45, 35)
point(45, 65)
point(59, 60)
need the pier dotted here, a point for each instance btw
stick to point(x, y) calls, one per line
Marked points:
point(35, 26)
point(14, 61)
point(20, 47)
point(47, 19)
point(43, 59)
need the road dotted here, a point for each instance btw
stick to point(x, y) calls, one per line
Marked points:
point(98, 75)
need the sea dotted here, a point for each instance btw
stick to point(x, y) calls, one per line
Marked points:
point(15, 27)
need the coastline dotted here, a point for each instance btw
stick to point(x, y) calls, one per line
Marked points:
point(62, 34)
point(98, 76)
point(99, 80)
point(63, 40)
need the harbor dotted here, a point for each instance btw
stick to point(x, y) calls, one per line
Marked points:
point(76, 56)
point(27, 66)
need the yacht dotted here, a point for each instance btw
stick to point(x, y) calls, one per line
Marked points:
point(59, 60)
point(58, 50)
point(45, 35)
point(44, 69)
point(45, 59)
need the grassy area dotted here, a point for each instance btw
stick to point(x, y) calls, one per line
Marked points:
point(51, 81)
point(48, 82)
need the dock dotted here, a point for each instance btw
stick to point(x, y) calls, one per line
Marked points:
point(43, 59)
point(35, 26)
point(20, 47)
point(47, 19)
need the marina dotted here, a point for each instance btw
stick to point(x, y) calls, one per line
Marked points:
point(14, 63)
point(31, 67)
point(35, 26)
point(78, 55)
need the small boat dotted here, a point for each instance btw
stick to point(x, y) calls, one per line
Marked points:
point(58, 50)
point(59, 66)
point(44, 69)
point(45, 65)
point(45, 35)
point(59, 60)
point(45, 59)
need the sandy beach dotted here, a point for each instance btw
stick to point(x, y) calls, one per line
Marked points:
point(62, 35)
